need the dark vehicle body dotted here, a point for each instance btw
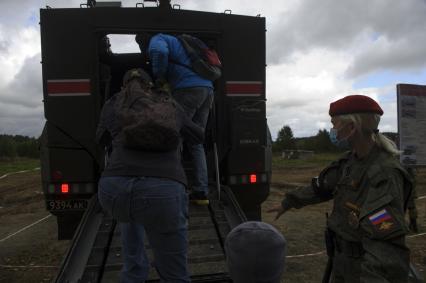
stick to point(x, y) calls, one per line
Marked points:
point(79, 74)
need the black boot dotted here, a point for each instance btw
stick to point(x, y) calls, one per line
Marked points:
point(413, 225)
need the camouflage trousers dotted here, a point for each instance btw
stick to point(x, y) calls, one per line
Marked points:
point(346, 269)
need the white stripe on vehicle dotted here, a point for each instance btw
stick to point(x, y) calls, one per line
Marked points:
point(70, 94)
point(68, 81)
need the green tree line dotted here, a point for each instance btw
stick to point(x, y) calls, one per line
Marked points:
point(18, 146)
point(318, 143)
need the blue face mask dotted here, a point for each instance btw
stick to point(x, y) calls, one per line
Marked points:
point(343, 143)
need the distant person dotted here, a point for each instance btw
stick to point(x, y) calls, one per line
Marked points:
point(144, 190)
point(366, 228)
point(170, 67)
point(255, 253)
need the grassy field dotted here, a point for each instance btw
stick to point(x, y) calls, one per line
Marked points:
point(17, 164)
point(318, 159)
point(299, 171)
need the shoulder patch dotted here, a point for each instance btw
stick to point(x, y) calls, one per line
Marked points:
point(383, 222)
point(380, 217)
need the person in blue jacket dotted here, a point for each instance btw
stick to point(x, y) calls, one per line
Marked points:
point(170, 64)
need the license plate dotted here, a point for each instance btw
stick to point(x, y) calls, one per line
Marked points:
point(71, 204)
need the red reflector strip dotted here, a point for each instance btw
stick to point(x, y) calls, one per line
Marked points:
point(244, 88)
point(253, 178)
point(65, 188)
point(68, 87)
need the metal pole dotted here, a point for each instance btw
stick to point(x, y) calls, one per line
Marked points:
point(216, 164)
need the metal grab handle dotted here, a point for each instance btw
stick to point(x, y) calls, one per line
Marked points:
point(156, 1)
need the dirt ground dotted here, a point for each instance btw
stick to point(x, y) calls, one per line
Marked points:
point(34, 254)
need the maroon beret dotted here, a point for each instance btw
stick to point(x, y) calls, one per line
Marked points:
point(354, 104)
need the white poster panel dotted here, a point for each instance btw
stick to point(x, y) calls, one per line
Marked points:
point(412, 124)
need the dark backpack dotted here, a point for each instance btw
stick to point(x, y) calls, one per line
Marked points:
point(147, 117)
point(204, 60)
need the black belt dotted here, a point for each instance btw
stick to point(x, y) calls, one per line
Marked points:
point(348, 248)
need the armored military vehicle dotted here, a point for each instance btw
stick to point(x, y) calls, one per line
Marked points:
point(80, 73)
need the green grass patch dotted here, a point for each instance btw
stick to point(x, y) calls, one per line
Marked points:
point(17, 164)
point(318, 159)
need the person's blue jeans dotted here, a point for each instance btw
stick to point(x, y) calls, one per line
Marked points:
point(196, 102)
point(157, 206)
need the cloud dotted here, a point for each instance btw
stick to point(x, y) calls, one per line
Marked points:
point(380, 29)
point(299, 93)
point(316, 52)
point(15, 13)
point(26, 86)
point(123, 43)
point(3, 46)
point(21, 108)
point(16, 48)
point(383, 54)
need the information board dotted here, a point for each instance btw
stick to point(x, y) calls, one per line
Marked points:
point(412, 124)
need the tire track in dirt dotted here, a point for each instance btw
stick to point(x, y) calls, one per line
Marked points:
point(29, 249)
point(24, 228)
point(18, 172)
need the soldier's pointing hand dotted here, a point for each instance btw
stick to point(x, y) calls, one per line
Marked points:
point(278, 208)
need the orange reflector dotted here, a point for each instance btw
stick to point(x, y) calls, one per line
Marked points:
point(253, 178)
point(65, 188)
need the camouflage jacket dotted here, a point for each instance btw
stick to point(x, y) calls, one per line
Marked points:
point(370, 197)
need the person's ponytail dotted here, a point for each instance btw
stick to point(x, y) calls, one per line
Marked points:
point(385, 143)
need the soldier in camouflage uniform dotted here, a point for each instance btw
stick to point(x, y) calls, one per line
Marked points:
point(370, 189)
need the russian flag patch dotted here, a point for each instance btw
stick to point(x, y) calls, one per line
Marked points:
point(382, 219)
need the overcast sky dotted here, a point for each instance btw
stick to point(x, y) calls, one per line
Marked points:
point(317, 52)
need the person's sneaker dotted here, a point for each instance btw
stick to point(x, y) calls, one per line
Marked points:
point(198, 198)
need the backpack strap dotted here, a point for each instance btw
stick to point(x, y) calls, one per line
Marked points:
point(190, 52)
point(200, 64)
